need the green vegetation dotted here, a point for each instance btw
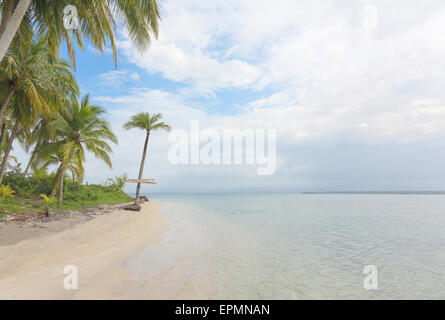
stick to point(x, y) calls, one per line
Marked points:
point(118, 182)
point(6, 192)
point(40, 110)
point(47, 201)
point(97, 22)
point(40, 107)
point(35, 86)
point(72, 132)
point(77, 196)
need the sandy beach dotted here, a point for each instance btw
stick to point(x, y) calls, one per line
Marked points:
point(33, 255)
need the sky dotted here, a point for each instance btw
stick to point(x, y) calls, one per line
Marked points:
point(353, 89)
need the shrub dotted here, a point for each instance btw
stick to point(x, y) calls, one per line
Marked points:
point(6, 192)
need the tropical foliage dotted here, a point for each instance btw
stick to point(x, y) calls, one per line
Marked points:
point(42, 113)
point(118, 182)
point(76, 195)
point(97, 22)
point(40, 107)
point(6, 192)
point(79, 128)
point(35, 86)
point(47, 201)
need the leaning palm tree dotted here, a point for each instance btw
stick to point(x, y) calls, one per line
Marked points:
point(145, 121)
point(39, 135)
point(97, 21)
point(77, 129)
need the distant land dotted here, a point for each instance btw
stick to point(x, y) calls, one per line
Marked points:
point(378, 192)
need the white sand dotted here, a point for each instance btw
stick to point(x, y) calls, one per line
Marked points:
point(99, 248)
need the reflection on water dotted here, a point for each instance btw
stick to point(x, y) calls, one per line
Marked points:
point(297, 247)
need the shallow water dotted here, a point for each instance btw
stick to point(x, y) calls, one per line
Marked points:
point(297, 247)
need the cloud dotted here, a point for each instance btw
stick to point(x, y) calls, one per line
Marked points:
point(117, 78)
point(328, 75)
point(354, 90)
point(204, 73)
point(317, 55)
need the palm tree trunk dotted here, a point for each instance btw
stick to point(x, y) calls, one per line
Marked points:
point(29, 164)
point(2, 134)
point(60, 194)
point(8, 10)
point(11, 25)
point(5, 104)
point(8, 150)
point(31, 160)
point(141, 170)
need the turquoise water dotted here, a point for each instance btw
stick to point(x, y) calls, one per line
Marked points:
point(302, 246)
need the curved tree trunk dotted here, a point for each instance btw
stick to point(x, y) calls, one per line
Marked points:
point(31, 160)
point(141, 170)
point(8, 150)
point(2, 134)
point(5, 104)
point(29, 164)
point(11, 25)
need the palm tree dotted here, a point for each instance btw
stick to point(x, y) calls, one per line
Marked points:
point(78, 128)
point(97, 21)
point(47, 201)
point(148, 123)
point(37, 85)
point(30, 72)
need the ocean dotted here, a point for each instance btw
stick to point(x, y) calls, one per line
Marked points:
point(295, 246)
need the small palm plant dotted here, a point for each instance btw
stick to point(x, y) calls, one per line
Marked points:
point(47, 201)
point(119, 182)
point(6, 192)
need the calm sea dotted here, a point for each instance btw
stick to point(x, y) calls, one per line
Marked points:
point(298, 247)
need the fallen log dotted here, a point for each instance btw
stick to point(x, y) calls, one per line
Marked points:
point(132, 207)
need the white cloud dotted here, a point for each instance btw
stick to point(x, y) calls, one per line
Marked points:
point(200, 70)
point(116, 78)
point(329, 77)
point(315, 54)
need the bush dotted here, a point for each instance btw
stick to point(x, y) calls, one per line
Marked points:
point(76, 196)
point(28, 186)
point(73, 191)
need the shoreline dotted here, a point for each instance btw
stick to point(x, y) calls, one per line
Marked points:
point(98, 244)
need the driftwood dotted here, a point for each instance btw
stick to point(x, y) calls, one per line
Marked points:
point(132, 207)
point(24, 216)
